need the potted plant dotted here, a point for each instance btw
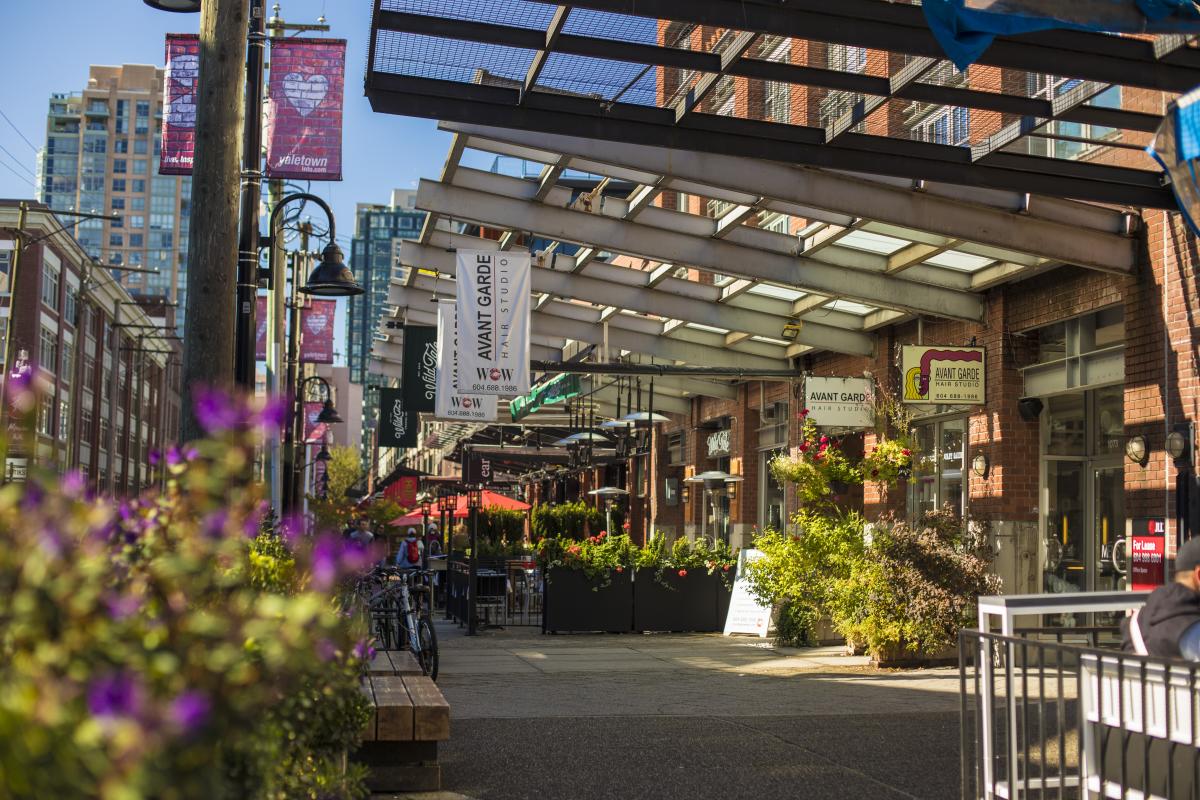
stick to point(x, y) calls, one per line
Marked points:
point(817, 467)
point(887, 462)
point(682, 588)
point(588, 583)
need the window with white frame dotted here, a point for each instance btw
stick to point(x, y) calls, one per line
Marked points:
point(49, 284)
point(945, 125)
point(1077, 138)
point(48, 350)
point(846, 58)
point(939, 455)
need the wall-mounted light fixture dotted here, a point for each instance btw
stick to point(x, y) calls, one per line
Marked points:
point(1136, 450)
point(1179, 445)
point(686, 493)
point(980, 465)
point(791, 329)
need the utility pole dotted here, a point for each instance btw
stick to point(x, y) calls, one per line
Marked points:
point(252, 172)
point(208, 349)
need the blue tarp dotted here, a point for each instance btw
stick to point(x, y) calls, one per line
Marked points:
point(1176, 147)
point(965, 28)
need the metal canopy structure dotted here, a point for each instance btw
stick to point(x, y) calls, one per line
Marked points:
point(836, 76)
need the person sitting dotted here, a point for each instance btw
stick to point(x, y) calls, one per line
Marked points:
point(409, 555)
point(1168, 624)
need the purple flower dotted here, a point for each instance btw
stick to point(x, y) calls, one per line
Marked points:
point(364, 650)
point(191, 453)
point(326, 650)
point(190, 710)
point(325, 562)
point(155, 457)
point(122, 606)
point(272, 416)
point(115, 695)
point(217, 412)
point(214, 524)
point(51, 541)
point(73, 484)
point(33, 496)
point(174, 457)
point(292, 527)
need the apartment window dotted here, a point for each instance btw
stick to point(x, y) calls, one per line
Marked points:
point(120, 145)
point(675, 450)
point(103, 435)
point(947, 125)
point(777, 101)
point(85, 422)
point(845, 58)
point(64, 421)
point(68, 362)
point(70, 306)
point(1076, 137)
point(137, 221)
point(139, 166)
point(48, 350)
point(118, 185)
point(135, 239)
point(139, 186)
point(95, 144)
point(89, 375)
point(137, 204)
point(45, 421)
point(120, 165)
point(116, 240)
point(118, 204)
point(49, 285)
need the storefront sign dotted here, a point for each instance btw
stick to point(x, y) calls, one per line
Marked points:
point(936, 374)
point(556, 390)
point(747, 614)
point(450, 403)
point(179, 104)
point(419, 368)
point(493, 321)
point(304, 109)
point(479, 470)
point(840, 402)
point(718, 443)
point(397, 425)
point(1148, 553)
point(316, 331)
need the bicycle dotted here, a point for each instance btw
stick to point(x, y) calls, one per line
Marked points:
point(399, 618)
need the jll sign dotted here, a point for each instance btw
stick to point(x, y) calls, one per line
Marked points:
point(1148, 553)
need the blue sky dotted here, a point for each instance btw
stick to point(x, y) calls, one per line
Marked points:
point(49, 44)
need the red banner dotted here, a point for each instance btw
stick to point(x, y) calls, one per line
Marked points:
point(304, 118)
point(260, 337)
point(179, 104)
point(316, 335)
point(403, 491)
point(312, 428)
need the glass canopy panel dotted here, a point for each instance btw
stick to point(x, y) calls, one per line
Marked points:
point(619, 27)
point(600, 78)
point(964, 262)
point(851, 307)
point(778, 292)
point(516, 13)
point(872, 242)
point(448, 59)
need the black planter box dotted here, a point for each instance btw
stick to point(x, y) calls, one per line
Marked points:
point(689, 605)
point(570, 605)
point(724, 595)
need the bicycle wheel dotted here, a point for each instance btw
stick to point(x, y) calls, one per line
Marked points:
point(428, 657)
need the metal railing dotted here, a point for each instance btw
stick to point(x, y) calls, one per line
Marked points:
point(508, 593)
point(1044, 719)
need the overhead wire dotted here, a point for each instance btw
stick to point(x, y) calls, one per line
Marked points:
point(17, 161)
point(18, 130)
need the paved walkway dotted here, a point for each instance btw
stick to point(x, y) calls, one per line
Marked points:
point(688, 716)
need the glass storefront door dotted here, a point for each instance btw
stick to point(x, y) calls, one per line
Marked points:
point(1083, 494)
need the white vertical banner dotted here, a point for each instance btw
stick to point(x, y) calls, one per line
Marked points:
point(449, 402)
point(493, 321)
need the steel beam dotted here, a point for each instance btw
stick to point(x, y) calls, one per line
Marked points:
point(1060, 231)
point(714, 255)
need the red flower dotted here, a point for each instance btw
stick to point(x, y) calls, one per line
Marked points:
point(726, 568)
point(906, 452)
point(603, 534)
point(803, 413)
point(819, 456)
point(824, 440)
point(683, 573)
point(804, 447)
point(620, 569)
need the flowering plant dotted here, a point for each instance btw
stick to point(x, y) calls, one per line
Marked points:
point(597, 556)
point(889, 461)
point(684, 555)
point(180, 644)
point(817, 463)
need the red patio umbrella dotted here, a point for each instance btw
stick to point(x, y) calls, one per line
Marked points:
point(490, 500)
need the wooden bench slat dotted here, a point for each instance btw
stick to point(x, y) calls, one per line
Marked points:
point(369, 731)
point(394, 709)
point(431, 712)
point(394, 662)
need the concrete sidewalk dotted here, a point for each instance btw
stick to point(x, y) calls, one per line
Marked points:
point(688, 716)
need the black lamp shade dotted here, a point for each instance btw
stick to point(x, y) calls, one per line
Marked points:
point(332, 278)
point(1029, 408)
point(324, 455)
point(179, 6)
point(329, 414)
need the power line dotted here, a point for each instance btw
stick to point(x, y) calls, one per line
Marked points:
point(19, 175)
point(17, 161)
point(18, 130)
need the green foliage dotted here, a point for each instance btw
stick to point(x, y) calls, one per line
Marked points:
point(890, 460)
point(574, 520)
point(806, 572)
point(174, 646)
point(336, 510)
point(597, 556)
point(909, 589)
point(501, 526)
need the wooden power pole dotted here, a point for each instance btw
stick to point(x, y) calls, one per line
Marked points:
point(208, 347)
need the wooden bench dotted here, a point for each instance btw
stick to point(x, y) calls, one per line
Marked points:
point(410, 716)
point(393, 662)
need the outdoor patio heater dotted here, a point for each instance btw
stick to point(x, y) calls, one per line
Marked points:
point(715, 482)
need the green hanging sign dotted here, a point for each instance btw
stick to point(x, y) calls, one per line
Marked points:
point(556, 390)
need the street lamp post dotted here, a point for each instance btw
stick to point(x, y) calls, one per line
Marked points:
point(425, 508)
point(328, 415)
point(474, 503)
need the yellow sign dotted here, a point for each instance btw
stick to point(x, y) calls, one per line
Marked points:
point(937, 374)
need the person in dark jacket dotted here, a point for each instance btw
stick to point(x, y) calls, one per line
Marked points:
point(1169, 624)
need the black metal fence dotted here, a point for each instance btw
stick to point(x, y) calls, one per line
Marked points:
point(508, 593)
point(1042, 719)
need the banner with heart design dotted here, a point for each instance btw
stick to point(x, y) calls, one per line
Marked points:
point(179, 104)
point(316, 331)
point(304, 109)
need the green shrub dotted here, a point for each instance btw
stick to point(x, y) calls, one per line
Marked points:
point(575, 520)
point(501, 526)
point(178, 645)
